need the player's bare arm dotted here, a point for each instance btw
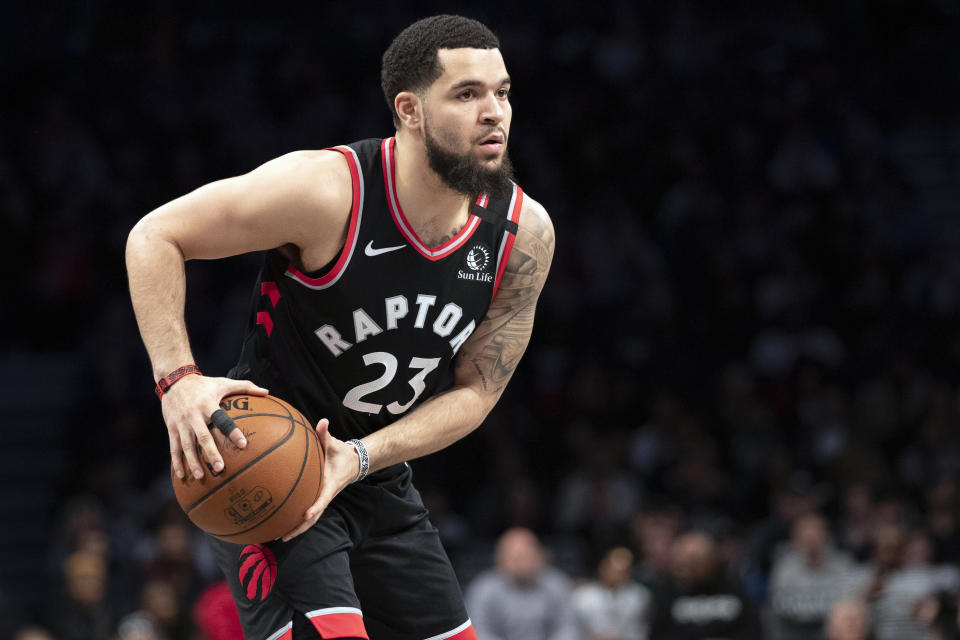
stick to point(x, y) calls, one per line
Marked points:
point(487, 361)
point(485, 364)
point(300, 201)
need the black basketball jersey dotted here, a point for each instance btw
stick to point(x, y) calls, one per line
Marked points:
point(370, 336)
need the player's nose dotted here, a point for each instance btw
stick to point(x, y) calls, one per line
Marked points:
point(492, 110)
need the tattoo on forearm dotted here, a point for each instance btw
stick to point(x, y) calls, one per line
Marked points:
point(497, 346)
point(483, 378)
point(501, 354)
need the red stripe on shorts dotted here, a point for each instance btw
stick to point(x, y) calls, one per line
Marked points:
point(340, 625)
point(466, 634)
point(463, 632)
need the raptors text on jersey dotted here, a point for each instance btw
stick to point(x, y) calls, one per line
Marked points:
point(374, 333)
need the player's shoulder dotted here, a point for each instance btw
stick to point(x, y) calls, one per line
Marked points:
point(317, 175)
point(532, 253)
point(309, 164)
point(535, 221)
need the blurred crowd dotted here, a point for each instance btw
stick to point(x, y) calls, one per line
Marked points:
point(737, 415)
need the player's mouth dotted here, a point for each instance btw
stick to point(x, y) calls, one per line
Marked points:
point(493, 143)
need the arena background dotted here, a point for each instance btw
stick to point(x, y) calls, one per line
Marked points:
point(755, 293)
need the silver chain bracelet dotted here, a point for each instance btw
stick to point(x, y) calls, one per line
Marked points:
point(364, 459)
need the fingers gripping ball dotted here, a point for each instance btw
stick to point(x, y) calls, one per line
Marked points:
point(264, 488)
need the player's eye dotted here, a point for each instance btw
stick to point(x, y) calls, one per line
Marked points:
point(466, 95)
point(503, 93)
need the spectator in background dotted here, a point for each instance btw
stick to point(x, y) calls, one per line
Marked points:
point(701, 601)
point(159, 616)
point(855, 524)
point(614, 607)
point(938, 614)
point(83, 527)
point(86, 526)
point(918, 556)
point(901, 579)
point(599, 499)
point(807, 581)
point(768, 538)
point(849, 620)
point(654, 531)
point(139, 626)
point(173, 560)
point(521, 598)
point(32, 632)
point(942, 519)
point(84, 613)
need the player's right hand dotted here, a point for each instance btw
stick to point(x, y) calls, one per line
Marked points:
point(187, 410)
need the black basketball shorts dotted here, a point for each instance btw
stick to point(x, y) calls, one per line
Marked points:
point(371, 567)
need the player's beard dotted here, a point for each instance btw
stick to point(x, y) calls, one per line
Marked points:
point(464, 174)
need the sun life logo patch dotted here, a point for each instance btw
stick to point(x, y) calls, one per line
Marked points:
point(478, 258)
point(477, 261)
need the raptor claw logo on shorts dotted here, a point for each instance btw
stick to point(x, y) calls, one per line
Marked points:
point(258, 571)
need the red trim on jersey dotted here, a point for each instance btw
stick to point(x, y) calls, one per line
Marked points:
point(483, 200)
point(287, 635)
point(406, 230)
point(510, 237)
point(339, 625)
point(269, 288)
point(264, 318)
point(355, 212)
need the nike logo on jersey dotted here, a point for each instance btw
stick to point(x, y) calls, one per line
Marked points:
point(370, 251)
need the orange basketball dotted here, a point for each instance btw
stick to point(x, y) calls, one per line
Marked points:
point(264, 488)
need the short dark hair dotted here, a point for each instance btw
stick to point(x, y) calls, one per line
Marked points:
point(410, 63)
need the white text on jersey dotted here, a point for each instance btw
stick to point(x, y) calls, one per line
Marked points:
point(395, 309)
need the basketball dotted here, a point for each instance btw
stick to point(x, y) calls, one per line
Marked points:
point(264, 488)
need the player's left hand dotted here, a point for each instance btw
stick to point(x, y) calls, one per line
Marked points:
point(340, 467)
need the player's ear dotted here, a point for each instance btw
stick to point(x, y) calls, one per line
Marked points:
point(409, 109)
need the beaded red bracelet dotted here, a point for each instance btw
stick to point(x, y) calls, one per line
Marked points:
point(168, 380)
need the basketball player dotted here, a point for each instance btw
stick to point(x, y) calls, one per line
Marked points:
point(396, 298)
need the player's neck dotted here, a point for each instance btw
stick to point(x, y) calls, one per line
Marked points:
point(432, 208)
